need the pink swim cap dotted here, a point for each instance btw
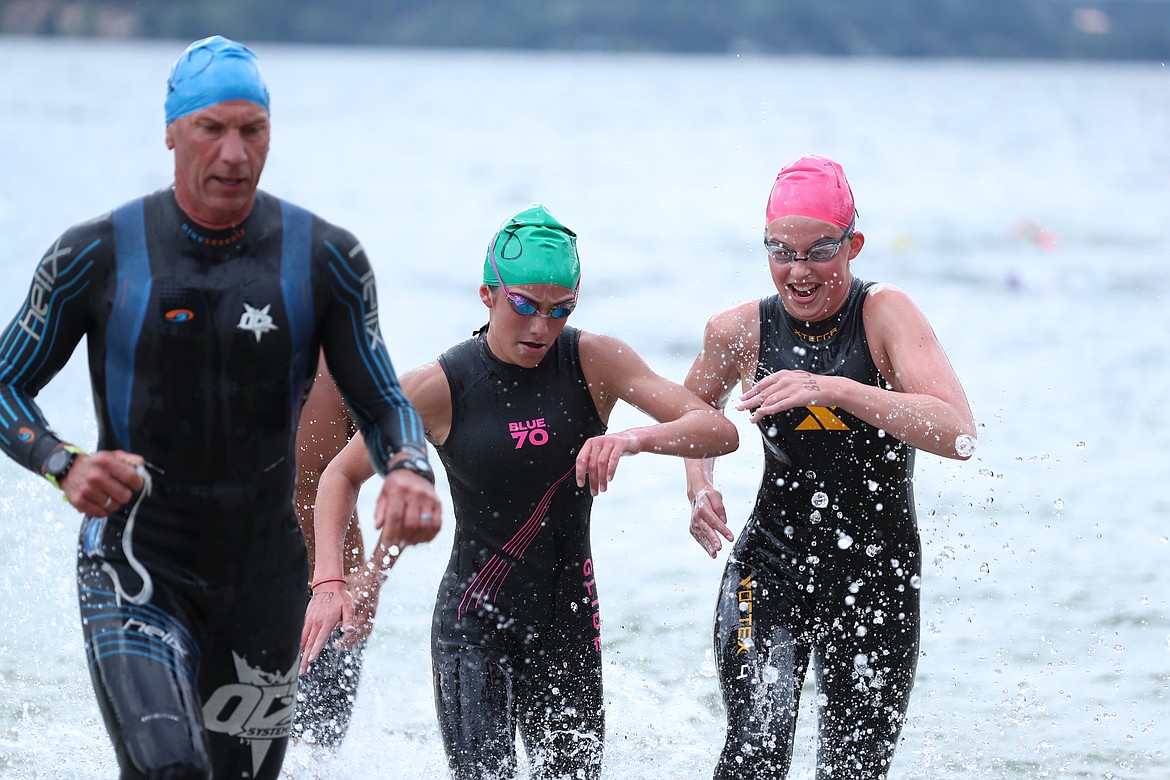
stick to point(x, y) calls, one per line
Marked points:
point(812, 186)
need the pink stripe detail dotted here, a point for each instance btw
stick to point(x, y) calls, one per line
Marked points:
point(490, 580)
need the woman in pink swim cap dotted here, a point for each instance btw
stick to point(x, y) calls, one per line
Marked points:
point(845, 380)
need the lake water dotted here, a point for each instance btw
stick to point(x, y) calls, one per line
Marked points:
point(1024, 206)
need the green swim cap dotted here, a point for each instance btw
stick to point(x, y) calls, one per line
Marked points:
point(533, 247)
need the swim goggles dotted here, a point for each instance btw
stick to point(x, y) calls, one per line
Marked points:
point(525, 307)
point(821, 252)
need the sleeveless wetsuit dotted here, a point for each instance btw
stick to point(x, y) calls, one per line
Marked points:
point(827, 567)
point(516, 640)
point(202, 348)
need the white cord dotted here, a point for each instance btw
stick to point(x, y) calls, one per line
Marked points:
point(147, 590)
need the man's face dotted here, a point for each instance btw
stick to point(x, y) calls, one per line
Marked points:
point(219, 154)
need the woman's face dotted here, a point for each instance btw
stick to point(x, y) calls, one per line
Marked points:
point(811, 290)
point(519, 339)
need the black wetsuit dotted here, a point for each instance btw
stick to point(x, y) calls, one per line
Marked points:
point(516, 641)
point(202, 348)
point(827, 567)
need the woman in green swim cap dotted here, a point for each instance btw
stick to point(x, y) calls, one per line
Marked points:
point(518, 414)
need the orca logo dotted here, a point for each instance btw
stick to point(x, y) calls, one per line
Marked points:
point(256, 321)
point(180, 315)
point(26, 435)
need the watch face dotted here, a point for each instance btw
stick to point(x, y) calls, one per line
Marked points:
point(58, 462)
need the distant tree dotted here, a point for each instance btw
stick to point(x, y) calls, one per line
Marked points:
point(1120, 29)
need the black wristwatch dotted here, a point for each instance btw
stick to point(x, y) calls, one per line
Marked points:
point(416, 463)
point(57, 465)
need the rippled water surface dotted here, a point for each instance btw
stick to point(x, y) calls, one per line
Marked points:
point(1022, 205)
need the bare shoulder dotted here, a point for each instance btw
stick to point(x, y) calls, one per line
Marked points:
point(733, 335)
point(888, 306)
point(594, 346)
point(902, 342)
point(421, 382)
point(429, 392)
point(736, 322)
point(607, 358)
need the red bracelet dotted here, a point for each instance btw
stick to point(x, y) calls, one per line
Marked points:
point(327, 579)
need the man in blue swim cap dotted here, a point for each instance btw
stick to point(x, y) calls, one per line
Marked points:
point(205, 307)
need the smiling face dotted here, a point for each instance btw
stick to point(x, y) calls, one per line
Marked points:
point(811, 291)
point(219, 154)
point(519, 339)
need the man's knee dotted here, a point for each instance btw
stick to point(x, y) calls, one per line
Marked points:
point(166, 754)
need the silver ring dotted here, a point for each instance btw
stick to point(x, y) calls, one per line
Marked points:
point(425, 516)
point(109, 502)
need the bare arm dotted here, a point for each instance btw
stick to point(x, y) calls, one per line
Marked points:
point(340, 485)
point(332, 604)
point(729, 355)
point(324, 429)
point(686, 426)
point(926, 407)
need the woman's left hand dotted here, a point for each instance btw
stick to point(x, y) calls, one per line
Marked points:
point(599, 456)
point(786, 390)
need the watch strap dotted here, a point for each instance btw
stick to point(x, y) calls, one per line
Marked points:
point(416, 463)
point(54, 479)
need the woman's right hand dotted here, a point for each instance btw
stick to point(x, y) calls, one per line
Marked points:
point(709, 520)
point(331, 606)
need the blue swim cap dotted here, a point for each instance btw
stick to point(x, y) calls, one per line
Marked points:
point(212, 71)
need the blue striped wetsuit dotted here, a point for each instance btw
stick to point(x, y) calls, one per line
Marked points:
point(202, 348)
point(515, 639)
point(826, 568)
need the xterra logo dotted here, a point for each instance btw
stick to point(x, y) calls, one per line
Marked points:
point(257, 709)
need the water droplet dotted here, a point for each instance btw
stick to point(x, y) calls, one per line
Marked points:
point(1081, 445)
point(844, 541)
point(873, 486)
point(965, 445)
point(815, 517)
point(872, 550)
point(1058, 504)
point(916, 582)
point(769, 674)
point(820, 500)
